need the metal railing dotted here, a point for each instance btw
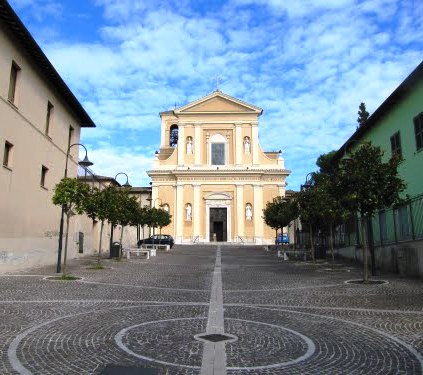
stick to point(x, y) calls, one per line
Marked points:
point(196, 239)
point(393, 225)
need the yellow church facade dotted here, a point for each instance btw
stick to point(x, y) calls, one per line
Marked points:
point(211, 174)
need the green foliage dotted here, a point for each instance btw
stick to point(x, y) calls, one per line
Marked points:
point(102, 204)
point(280, 212)
point(70, 193)
point(158, 218)
point(368, 184)
point(363, 115)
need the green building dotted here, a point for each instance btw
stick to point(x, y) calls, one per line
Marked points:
point(397, 127)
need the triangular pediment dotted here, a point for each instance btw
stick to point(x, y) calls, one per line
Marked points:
point(218, 102)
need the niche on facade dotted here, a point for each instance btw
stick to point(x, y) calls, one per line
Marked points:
point(247, 145)
point(188, 212)
point(165, 207)
point(189, 145)
point(248, 212)
point(173, 135)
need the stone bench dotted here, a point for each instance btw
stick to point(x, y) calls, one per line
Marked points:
point(137, 252)
point(295, 253)
point(155, 247)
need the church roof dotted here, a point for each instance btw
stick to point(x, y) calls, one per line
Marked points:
point(227, 103)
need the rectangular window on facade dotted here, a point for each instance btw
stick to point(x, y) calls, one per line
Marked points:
point(44, 171)
point(218, 154)
point(50, 108)
point(396, 144)
point(14, 73)
point(418, 130)
point(7, 156)
point(70, 136)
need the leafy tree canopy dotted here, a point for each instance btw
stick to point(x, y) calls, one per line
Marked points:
point(70, 193)
point(280, 212)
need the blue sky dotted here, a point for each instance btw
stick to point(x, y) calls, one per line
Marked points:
point(307, 63)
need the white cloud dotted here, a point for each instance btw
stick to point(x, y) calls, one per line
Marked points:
point(308, 64)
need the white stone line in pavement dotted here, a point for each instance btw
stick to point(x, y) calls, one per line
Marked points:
point(311, 307)
point(120, 335)
point(214, 353)
point(413, 351)
point(170, 303)
point(283, 289)
point(142, 286)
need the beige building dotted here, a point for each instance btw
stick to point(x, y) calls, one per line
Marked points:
point(211, 173)
point(39, 119)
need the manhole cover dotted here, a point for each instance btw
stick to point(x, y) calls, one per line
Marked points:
point(215, 337)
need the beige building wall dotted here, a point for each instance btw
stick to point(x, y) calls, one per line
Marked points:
point(208, 195)
point(29, 222)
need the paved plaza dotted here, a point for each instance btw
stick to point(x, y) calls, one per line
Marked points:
point(210, 310)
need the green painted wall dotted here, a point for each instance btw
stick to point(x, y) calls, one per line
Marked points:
point(400, 118)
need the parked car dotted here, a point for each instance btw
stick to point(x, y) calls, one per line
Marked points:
point(158, 239)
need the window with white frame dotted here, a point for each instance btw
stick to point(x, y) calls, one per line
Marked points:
point(218, 150)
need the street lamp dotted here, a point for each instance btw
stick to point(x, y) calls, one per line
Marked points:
point(85, 163)
point(345, 157)
point(154, 202)
point(307, 183)
point(126, 184)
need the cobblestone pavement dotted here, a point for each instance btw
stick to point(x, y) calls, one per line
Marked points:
point(280, 317)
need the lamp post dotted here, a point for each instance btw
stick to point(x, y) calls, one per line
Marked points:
point(85, 163)
point(126, 184)
point(345, 157)
point(307, 183)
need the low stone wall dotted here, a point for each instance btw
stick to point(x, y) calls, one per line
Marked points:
point(404, 258)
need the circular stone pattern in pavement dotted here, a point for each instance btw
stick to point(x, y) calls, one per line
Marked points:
point(294, 341)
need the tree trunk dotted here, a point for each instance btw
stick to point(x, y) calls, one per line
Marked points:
point(121, 243)
point(365, 251)
point(331, 244)
point(371, 245)
point(111, 240)
point(101, 238)
point(65, 255)
point(313, 255)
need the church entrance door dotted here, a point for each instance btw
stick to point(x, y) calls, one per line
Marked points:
point(219, 224)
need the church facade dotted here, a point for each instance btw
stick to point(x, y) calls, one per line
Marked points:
point(211, 174)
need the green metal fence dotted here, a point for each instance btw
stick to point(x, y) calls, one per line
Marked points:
point(389, 226)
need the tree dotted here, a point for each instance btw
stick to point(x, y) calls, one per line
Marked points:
point(164, 219)
point(363, 115)
point(158, 218)
point(126, 209)
point(279, 213)
point(368, 184)
point(331, 211)
point(70, 193)
point(101, 205)
point(309, 207)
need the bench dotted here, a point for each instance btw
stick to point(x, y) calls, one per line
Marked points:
point(137, 252)
point(296, 254)
point(155, 247)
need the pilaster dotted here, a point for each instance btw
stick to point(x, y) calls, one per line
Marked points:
point(240, 209)
point(238, 144)
point(255, 143)
point(257, 213)
point(197, 145)
point(181, 144)
point(196, 213)
point(179, 213)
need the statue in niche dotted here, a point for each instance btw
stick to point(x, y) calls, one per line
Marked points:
point(189, 145)
point(248, 212)
point(247, 145)
point(166, 207)
point(188, 210)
